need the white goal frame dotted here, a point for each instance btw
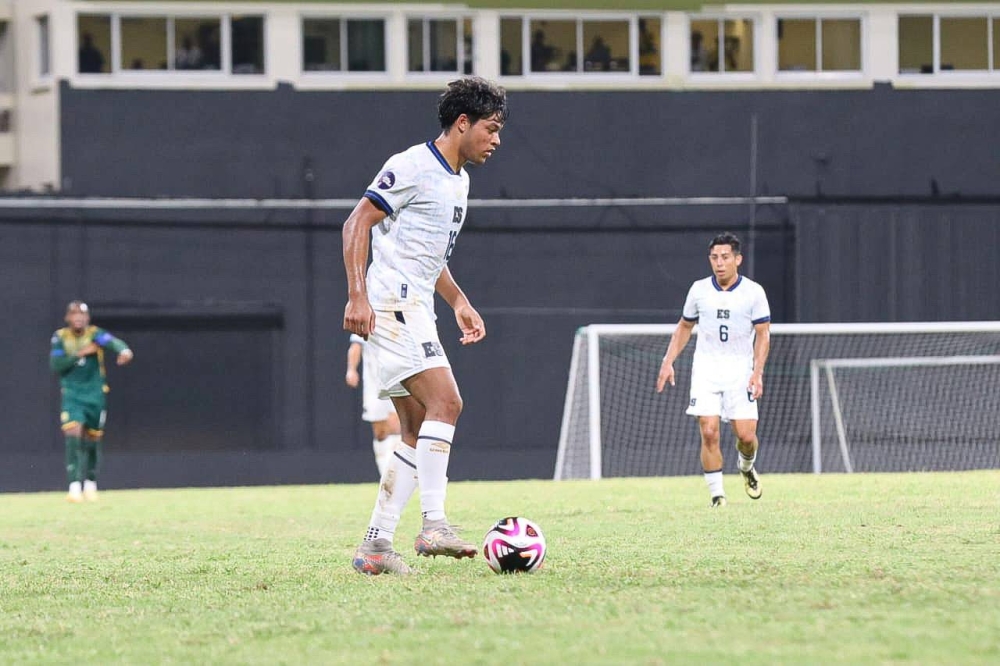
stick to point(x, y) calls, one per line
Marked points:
point(593, 332)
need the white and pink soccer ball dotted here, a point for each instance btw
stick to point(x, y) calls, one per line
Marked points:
point(514, 545)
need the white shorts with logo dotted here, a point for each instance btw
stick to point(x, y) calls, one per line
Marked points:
point(732, 402)
point(405, 344)
point(373, 409)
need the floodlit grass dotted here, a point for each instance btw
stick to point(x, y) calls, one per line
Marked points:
point(823, 569)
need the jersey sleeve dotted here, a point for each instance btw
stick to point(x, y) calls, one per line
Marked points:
point(394, 187)
point(108, 341)
point(59, 360)
point(760, 312)
point(690, 312)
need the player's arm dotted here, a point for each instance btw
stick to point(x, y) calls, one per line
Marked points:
point(59, 361)
point(118, 346)
point(471, 324)
point(353, 359)
point(359, 318)
point(761, 348)
point(679, 340)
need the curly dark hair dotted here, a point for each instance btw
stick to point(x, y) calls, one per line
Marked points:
point(726, 238)
point(475, 97)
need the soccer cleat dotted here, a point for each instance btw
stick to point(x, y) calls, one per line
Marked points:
point(377, 557)
point(90, 491)
point(751, 482)
point(719, 501)
point(439, 538)
point(75, 494)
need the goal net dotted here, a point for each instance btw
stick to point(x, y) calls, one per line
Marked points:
point(837, 398)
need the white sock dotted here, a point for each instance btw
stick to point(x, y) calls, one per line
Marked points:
point(433, 451)
point(90, 486)
point(746, 464)
point(383, 449)
point(394, 491)
point(714, 481)
point(75, 488)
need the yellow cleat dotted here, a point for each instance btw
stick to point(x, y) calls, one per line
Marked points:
point(751, 482)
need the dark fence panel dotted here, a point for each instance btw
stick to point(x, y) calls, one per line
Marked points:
point(240, 355)
point(896, 261)
point(557, 143)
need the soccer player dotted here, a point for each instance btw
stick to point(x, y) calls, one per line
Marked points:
point(380, 413)
point(413, 212)
point(727, 376)
point(77, 356)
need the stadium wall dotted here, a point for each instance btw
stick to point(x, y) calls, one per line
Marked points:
point(834, 143)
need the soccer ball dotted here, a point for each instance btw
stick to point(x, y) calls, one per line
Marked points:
point(514, 544)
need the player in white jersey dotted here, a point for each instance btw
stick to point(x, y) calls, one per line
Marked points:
point(727, 376)
point(413, 212)
point(380, 413)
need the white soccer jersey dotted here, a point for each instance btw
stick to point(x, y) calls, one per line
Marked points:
point(723, 354)
point(426, 203)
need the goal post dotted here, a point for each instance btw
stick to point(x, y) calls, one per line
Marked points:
point(838, 397)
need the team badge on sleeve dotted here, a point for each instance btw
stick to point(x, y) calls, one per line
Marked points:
point(386, 180)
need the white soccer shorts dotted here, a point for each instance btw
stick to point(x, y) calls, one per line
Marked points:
point(405, 344)
point(732, 403)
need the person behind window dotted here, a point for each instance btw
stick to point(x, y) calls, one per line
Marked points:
point(541, 53)
point(91, 58)
point(188, 55)
point(699, 57)
point(598, 58)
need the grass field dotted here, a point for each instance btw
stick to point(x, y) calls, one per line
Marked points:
point(823, 569)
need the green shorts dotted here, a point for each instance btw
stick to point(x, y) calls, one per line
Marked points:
point(88, 413)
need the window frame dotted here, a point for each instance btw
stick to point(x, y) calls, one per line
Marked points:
point(631, 75)
point(312, 76)
point(117, 73)
point(819, 73)
point(720, 18)
point(943, 75)
point(425, 17)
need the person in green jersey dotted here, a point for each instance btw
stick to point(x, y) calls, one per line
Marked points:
point(77, 356)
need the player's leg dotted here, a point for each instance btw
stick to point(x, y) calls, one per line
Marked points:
point(376, 554)
point(73, 435)
point(741, 410)
point(747, 445)
point(385, 438)
point(437, 391)
point(711, 458)
point(91, 448)
point(706, 404)
point(73, 418)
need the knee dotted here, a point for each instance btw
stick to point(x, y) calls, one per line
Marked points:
point(710, 438)
point(451, 407)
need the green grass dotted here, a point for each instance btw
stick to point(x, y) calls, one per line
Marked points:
point(823, 569)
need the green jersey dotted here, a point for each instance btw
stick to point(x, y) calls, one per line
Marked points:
point(82, 376)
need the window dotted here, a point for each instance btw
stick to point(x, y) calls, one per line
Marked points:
point(93, 38)
point(321, 41)
point(197, 44)
point(996, 44)
point(721, 45)
point(341, 45)
point(819, 45)
point(247, 44)
point(916, 44)
point(963, 44)
point(511, 46)
point(44, 51)
point(439, 45)
point(169, 43)
point(580, 45)
point(650, 60)
point(144, 43)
